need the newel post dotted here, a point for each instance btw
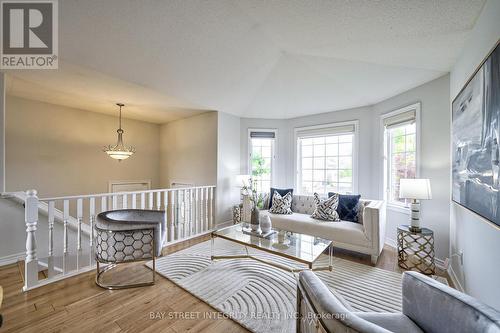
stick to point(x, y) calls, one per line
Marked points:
point(31, 219)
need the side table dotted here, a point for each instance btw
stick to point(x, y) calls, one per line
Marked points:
point(416, 250)
point(237, 213)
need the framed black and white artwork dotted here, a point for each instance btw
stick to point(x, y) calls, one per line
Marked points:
point(475, 141)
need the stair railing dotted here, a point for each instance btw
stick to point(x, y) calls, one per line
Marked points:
point(190, 212)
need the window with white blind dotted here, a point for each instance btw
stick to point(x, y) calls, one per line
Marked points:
point(326, 159)
point(261, 148)
point(400, 150)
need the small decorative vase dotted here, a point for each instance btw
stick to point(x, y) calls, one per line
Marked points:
point(265, 223)
point(254, 220)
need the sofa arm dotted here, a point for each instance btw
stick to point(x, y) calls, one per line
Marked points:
point(436, 307)
point(374, 222)
point(318, 307)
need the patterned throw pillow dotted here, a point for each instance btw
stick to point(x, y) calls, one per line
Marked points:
point(326, 209)
point(282, 192)
point(349, 206)
point(281, 204)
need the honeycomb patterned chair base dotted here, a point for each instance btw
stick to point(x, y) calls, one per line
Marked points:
point(125, 236)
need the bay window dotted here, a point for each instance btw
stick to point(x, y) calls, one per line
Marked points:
point(400, 151)
point(261, 147)
point(325, 159)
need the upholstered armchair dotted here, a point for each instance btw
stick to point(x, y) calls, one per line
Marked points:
point(128, 235)
point(428, 306)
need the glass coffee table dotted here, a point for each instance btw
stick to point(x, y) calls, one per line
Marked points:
point(305, 249)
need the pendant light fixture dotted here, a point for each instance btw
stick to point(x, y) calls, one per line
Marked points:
point(119, 151)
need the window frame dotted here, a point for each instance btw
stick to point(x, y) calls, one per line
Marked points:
point(355, 153)
point(273, 151)
point(394, 205)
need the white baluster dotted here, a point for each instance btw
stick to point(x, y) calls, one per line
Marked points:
point(104, 204)
point(151, 200)
point(158, 200)
point(65, 225)
point(51, 227)
point(31, 220)
point(79, 216)
point(207, 211)
point(185, 221)
point(134, 201)
point(196, 212)
point(143, 200)
point(50, 261)
point(165, 207)
point(124, 201)
point(191, 212)
point(212, 209)
point(202, 209)
point(178, 214)
point(91, 220)
point(114, 202)
point(172, 215)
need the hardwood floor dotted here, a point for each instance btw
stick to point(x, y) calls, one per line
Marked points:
point(78, 305)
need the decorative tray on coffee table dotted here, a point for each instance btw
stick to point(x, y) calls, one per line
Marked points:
point(260, 234)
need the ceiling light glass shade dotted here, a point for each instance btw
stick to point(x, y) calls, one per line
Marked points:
point(119, 151)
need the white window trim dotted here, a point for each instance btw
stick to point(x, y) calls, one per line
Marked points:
point(399, 207)
point(355, 152)
point(273, 148)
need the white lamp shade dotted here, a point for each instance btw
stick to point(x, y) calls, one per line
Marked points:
point(243, 180)
point(415, 189)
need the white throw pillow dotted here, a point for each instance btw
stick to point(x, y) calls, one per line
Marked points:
point(326, 209)
point(281, 205)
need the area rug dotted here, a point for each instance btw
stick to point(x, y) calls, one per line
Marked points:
point(261, 297)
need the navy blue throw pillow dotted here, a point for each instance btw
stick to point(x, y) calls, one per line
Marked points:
point(282, 192)
point(348, 206)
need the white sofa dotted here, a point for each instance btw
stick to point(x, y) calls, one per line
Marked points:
point(365, 237)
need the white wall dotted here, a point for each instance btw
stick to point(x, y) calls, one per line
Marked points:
point(434, 159)
point(188, 151)
point(477, 238)
point(228, 165)
point(58, 150)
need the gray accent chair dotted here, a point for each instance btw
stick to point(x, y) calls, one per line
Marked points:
point(128, 235)
point(428, 306)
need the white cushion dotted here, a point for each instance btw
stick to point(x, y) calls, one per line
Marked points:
point(340, 231)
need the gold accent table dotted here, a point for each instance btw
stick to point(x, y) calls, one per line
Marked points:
point(416, 250)
point(302, 248)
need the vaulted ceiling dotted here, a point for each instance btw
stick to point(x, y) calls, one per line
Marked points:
point(270, 59)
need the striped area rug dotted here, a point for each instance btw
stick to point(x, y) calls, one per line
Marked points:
point(261, 297)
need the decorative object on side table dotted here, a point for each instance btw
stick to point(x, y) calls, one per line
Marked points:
point(416, 250)
point(243, 182)
point(237, 213)
point(415, 189)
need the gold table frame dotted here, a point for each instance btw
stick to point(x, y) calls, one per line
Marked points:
point(416, 246)
point(213, 257)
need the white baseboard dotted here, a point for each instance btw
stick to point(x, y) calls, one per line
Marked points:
point(11, 259)
point(454, 279)
point(439, 262)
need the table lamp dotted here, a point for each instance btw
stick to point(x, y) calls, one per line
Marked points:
point(416, 190)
